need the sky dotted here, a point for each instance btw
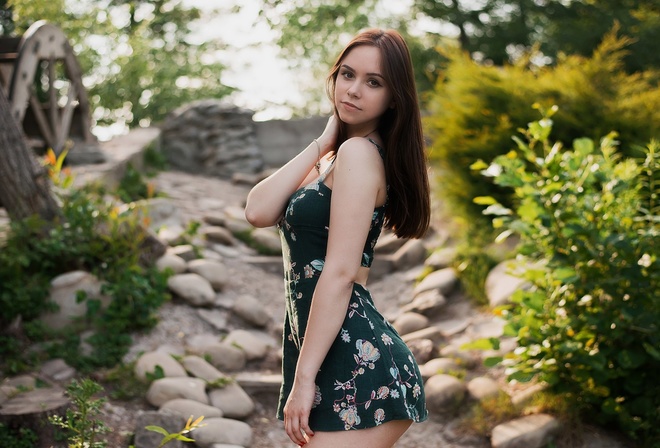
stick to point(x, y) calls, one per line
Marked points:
point(254, 63)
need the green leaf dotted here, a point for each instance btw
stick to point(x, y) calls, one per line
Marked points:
point(478, 165)
point(492, 361)
point(484, 200)
point(655, 354)
point(157, 429)
point(523, 377)
point(478, 344)
point(631, 359)
point(565, 275)
point(583, 146)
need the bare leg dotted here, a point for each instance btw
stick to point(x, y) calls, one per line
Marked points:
point(382, 436)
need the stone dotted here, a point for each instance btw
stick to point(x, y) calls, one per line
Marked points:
point(481, 388)
point(193, 288)
point(145, 438)
point(201, 368)
point(432, 333)
point(452, 327)
point(409, 322)
point(422, 349)
point(160, 212)
point(531, 431)
point(255, 347)
point(388, 243)
point(165, 389)
point(218, 234)
point(217, 318)
point(251, 310)
point(438, 365)
point(443, 280)
point(225, 357)
point(172, 234)
point(149, 362)
point(202, 339)
point(58, 370)
point(233, 401)
point(441, 258)
point(501, 283)
point(426, 302)
point(185, 251)
point(412, 253)
point(187, 408)
point(268, 239)
point(211, 137)
point(214, 219)
point(268, 263)
point(444, 393)
point(64, 293)
point(213, 271)
point(259, 382)
point(525, 396)
point(492, 327)
point(223, 431)
point(382, 265)
point(171, 261)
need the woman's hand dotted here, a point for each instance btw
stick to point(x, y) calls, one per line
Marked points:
point(328, 138)
point(296, 412)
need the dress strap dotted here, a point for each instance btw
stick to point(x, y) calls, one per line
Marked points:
point(381, 151)
point(325, 173)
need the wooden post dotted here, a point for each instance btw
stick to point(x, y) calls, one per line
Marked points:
point(24, 185)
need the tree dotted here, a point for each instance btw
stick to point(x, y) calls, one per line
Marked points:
point(313, 33)
point(24, 187)
point(138, 56)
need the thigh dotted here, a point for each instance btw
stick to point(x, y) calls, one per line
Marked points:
point(382, 436)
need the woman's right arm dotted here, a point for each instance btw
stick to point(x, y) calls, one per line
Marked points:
point(267, 200)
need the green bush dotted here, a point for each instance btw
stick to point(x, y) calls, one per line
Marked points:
point(91, 235)
point(589, 326)
point(475, 109)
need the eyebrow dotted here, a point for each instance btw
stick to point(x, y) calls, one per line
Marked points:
point(370, 74)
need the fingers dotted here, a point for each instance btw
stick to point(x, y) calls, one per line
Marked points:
point(292, 426)
point(296, 426)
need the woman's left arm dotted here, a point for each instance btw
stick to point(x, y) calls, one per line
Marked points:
point(357, 179)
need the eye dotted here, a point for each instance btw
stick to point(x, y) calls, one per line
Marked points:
point(373, 83)
point(346, 74)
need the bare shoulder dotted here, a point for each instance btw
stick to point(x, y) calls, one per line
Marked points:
point(358, 150)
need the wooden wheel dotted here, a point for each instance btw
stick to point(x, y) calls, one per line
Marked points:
point(46, 92)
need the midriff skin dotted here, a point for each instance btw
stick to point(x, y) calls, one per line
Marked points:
point(362, 276)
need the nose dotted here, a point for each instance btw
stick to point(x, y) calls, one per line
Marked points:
point(354, 90)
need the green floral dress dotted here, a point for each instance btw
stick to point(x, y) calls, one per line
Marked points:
point(369, 375)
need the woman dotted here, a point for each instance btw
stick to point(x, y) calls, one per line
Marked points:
point(344, 366)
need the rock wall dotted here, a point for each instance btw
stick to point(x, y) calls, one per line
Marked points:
point(218, 139)
point(212, 138)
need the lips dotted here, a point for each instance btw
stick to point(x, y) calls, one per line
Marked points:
point(350, 106)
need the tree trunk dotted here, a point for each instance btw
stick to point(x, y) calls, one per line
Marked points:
point(24, 187)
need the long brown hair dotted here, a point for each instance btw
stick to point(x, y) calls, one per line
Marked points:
point(408, 209)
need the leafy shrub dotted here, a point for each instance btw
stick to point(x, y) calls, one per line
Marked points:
point(17, 438)
point(589, 326)
point(91, 235)
point(474, 110)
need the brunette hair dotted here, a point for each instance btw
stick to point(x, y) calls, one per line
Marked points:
point(408, 209)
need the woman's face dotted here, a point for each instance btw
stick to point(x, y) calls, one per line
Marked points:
point(361, 93)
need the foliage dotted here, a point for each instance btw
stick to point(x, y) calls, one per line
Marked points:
point(93, 236)
point(485, 414)
point(588, 326)
point(132, 186)
point(499, 31)
point(181, 435)
point(82, 422)
point(122, 384)
point(476, 108)
point(138, 56)
point(311, 35)
point(472, 264)
point(17, 438)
